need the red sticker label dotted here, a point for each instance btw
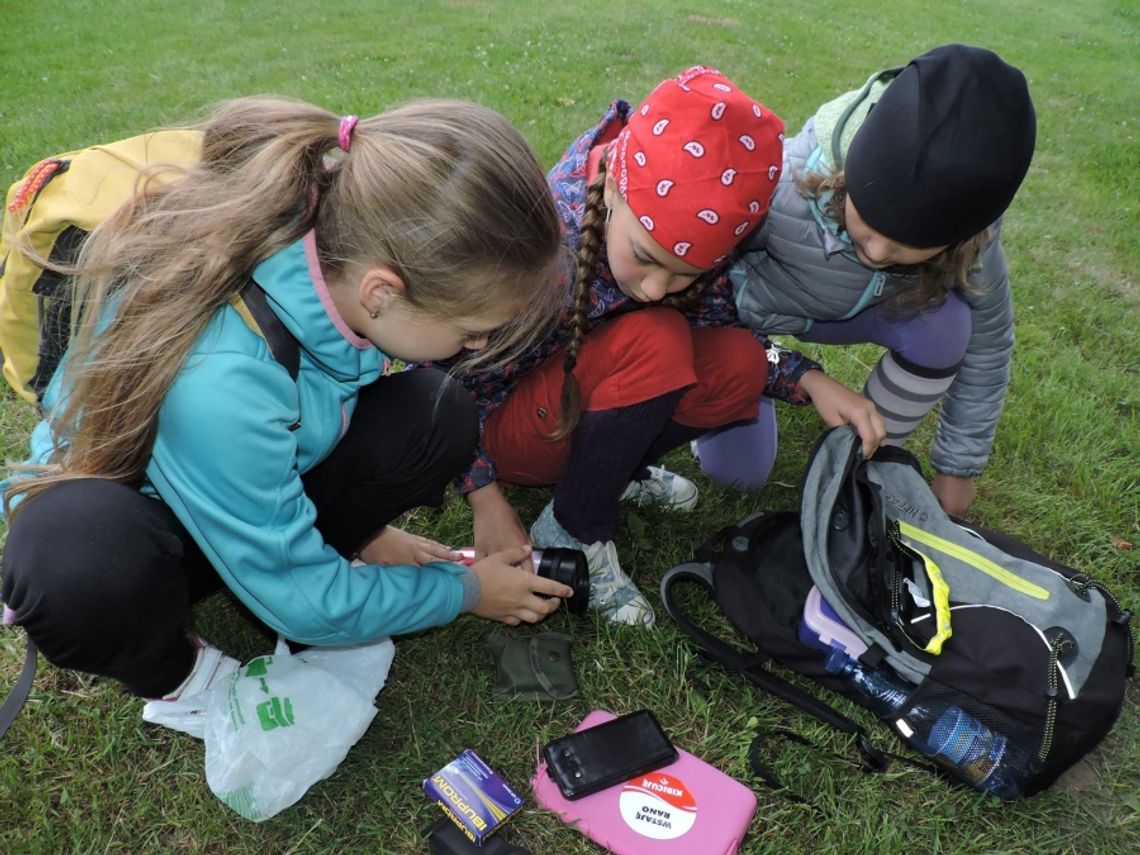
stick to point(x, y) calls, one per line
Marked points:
point(658, 806)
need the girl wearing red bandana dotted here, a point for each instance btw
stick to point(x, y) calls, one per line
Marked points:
point(650, 353)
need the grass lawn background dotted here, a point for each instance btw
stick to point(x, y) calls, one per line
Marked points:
point(80, 772)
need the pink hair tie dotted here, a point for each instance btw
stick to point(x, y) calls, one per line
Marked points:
point(344, 135)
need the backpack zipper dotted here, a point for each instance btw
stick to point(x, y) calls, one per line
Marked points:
point(978, 562)
point(1056, 648)
point(1082, 584)
point(939, 593)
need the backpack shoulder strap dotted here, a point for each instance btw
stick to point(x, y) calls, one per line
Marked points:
point(282, 343)
point(20, 690)
point(750, 666)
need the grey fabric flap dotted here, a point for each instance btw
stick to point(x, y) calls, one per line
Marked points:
point(834, 455)
point(974, 570)
point(1038, 594)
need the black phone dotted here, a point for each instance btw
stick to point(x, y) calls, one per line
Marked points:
point(601, 756)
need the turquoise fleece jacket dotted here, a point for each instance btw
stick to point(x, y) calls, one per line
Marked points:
point(228, 465)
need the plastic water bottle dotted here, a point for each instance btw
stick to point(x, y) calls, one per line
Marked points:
point(985, 759)
point(988, 760)
point(884, 691)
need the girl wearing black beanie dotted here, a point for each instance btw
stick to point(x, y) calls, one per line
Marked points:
point(885, 228)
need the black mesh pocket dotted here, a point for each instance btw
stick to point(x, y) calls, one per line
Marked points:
point(974, 743)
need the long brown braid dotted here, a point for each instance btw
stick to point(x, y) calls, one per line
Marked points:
point(592, 234)
point(682, 301)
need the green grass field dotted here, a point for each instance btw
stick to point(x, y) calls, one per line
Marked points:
point(80, 772)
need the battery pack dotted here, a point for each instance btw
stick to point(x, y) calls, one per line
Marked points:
point(473, 795)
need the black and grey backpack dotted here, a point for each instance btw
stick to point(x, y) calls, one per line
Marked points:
point(1000, 665)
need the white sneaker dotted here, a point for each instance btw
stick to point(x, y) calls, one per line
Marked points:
point(668, 489)
point(612, 592)
point(184, 708)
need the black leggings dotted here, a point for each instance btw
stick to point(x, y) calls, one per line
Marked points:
point(103, 577)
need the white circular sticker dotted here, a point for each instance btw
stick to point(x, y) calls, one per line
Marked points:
point(658, 805)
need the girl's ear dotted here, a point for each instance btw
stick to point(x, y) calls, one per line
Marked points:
point(609, 192)
point(379, 287)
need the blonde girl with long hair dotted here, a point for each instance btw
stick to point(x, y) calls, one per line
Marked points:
point(650, 353)
point(178, 455)
point(886, 228)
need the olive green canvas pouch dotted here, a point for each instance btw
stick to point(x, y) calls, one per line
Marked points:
point(534, 669)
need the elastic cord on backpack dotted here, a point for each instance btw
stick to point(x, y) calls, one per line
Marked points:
point(40, 174)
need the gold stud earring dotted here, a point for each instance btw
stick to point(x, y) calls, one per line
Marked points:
point(374, 314)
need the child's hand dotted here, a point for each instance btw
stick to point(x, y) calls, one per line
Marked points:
point(496, 523)
point(396, 546)
point(954, 493)
point(838, 405)
point(510, 594)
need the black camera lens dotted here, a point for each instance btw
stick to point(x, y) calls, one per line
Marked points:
point(569, 567)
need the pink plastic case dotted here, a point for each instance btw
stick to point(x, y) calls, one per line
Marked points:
point(686, 807)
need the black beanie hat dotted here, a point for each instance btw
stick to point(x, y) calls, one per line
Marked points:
point(941, 155)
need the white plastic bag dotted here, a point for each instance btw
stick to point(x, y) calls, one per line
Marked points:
point(281, 723)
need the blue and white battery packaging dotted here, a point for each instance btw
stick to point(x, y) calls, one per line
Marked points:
point(473, 796)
